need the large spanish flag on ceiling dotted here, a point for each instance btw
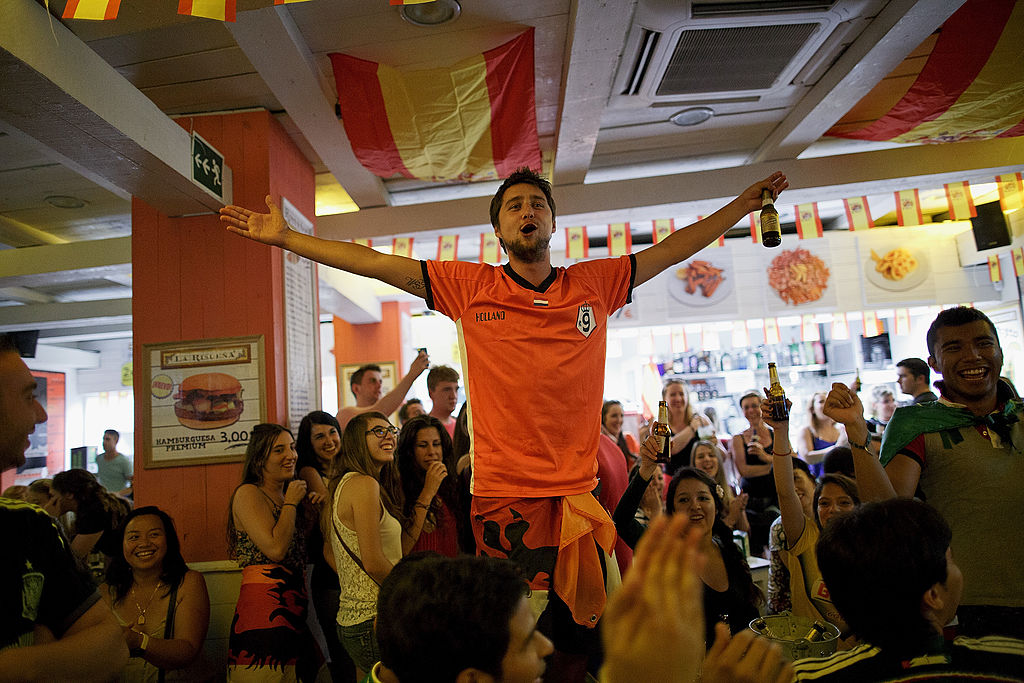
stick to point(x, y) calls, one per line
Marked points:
point(476, 120)
point(963, 83)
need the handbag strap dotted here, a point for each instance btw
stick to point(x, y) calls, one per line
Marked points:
point(352, 554)
point(172, 607)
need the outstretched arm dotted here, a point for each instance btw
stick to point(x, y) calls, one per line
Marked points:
point(843, 405)
point(391, 401)
point(682, 244)
point(271, 228)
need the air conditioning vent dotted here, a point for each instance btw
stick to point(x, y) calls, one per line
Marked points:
point(648, 41)
point(739, 8)
point(730, 59)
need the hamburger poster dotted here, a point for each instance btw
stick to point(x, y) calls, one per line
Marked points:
point(204, 397)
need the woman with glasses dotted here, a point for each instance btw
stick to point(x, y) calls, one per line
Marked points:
point(366, 536)
point(269, 640)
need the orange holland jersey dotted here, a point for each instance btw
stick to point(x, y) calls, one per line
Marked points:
point(533, 364)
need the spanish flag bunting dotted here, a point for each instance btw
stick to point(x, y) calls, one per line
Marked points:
point(402, 246)
point(620, 239)
point(961, 203)
point(902, 322)
point(678, 339)
point(1011, 191)
point(809, 328)
point(857, 213)
point(448, 248)
point(576, 244)
point(995, 274)
point(808, 222)
point(221, 10)
point(663, 227)
point(908, 208)
point(840, 326)
point(100, 10)
point(1018, 261)
point(961, 83)
point(755, 227)
point(720, 242)
point(740, 334)
point(771, 331)
point(474, 120)
point(364, 242)
point(407, 2)
point(490, 250)
point(872, 325)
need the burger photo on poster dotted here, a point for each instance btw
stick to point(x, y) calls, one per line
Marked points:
point(208, 400)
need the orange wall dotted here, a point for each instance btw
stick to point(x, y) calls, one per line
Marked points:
point(194, 280)
point(371, 342)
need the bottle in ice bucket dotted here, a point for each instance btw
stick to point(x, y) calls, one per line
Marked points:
point(776, 395)
point(817, 632)
point(661, 430)
point(771, 230)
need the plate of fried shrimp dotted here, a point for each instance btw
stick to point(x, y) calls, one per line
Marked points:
point(701, 282)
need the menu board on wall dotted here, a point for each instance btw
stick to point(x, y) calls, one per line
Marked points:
point(302, 335)
point(799, 278)
point(202, 398)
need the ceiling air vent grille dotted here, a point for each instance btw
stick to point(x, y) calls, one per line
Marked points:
point(729, 59)
point(648, 41)
point(703, 10)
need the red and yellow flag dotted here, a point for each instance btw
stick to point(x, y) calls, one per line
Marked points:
point(475, 120)
point(995, 273)
point(740, 334)
point(364, 242)
point(402, 246)
point(287, 2)
point(857, 213)
point(100, 10)
point(490, 250)
point(961, 203)
point(908, 208)
point(620, 239)
point(968, 87)
point(404, 2)
point(1018, 261)
point(677, 340)
point(221, 10)
point(1011, 191)
point(755, 227)
point(808, 222)
point(663, 227)
point(902, 322)
point(576, 244)
point(872, 325)
point(771, 331)
point(448, 248)
point(809, 328)
point(840, 326)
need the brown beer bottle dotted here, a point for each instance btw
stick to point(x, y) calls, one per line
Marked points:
point(776, 395)
point(771, 230)
point(661, 430)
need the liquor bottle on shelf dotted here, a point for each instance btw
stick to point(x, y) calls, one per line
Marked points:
point(776, 395)
point(662, 431)
point(771, 230)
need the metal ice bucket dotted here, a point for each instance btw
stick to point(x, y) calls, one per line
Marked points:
point(789, 630)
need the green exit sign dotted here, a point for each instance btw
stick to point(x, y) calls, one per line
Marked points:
point(207, 166)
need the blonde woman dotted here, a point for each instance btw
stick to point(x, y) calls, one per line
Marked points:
point(686, 424)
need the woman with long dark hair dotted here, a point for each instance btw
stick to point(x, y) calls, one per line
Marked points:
point(98, 514)
point(433, 517)
point(162, 606)
point(366, 536)
point(268, 638)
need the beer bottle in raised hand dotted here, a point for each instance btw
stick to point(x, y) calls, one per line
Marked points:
point(771, 230)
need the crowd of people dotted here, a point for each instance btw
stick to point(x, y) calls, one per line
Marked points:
point(517, 483)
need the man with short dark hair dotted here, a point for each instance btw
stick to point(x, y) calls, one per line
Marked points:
point(914, 588)
point(113, 469)
point(53, 624)
point(409, 410)
point(964, 455)
point(367, 385)
point(443, 389)
point(913, 375)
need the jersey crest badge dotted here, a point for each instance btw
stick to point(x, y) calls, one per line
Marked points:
point(585, 322)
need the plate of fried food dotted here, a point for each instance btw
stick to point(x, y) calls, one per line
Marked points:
point(896, 270)
point(701, 282)
point(798, 276)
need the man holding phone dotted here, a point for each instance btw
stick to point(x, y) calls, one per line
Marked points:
point(367, 385)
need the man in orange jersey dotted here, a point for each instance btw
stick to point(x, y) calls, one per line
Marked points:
point(532, 334)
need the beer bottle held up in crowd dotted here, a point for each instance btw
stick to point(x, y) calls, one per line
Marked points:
point(771, 230)
point(662, 431)
point(776, 395)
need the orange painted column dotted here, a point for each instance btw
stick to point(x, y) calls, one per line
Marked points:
point(371, 342)
point(192, 279)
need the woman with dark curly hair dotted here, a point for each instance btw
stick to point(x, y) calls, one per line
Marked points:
point(730, 595)
point(432, 511)
point(161, 604)
point(98, 514)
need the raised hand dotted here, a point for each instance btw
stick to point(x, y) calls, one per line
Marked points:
point(766, 413)
point(844, 406)
point(295, 492)
point(751, 196)
point(420, 363)
point(436, 473)
point(649, 451)
point(744, 658)
point(268, 228)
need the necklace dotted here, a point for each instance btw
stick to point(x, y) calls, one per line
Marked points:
point(142, 610)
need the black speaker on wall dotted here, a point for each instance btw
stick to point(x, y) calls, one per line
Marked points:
point(989, 227)
point(26, 342)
